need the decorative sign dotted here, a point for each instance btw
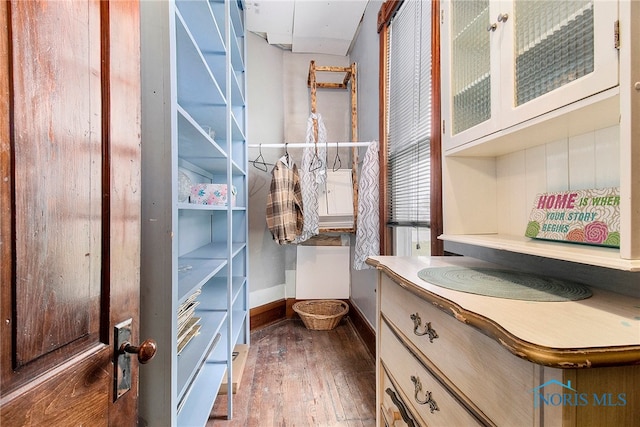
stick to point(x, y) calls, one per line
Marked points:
point(591, 217)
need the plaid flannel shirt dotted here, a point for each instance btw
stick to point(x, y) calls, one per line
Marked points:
point(284, 202)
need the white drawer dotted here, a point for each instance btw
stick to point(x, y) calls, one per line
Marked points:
point(394, 410)
point(497, 382)
point(433, 404)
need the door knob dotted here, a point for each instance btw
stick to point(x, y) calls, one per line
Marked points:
point(393, 415)
point(145, 351)
point(122, 351)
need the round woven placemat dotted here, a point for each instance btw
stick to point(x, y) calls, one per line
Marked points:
point(505, 284)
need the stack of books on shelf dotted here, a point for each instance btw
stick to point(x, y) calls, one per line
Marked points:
point(188, 325)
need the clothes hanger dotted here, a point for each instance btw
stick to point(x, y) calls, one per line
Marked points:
point(259, 162)
point(337, 159)
point(316, 162)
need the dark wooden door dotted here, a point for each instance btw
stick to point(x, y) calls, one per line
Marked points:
point(70, 208)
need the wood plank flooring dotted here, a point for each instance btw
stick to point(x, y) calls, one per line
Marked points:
point(297, 377)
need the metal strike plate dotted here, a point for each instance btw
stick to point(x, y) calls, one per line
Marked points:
point(122, 363)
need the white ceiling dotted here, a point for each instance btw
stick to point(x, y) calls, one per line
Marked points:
point(306, 26)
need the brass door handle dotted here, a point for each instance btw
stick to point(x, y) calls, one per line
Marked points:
point(145, 351)
point(433, 406)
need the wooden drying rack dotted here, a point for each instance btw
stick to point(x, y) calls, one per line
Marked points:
point(348, 82)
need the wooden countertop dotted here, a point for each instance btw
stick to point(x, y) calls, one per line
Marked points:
point(602, 330)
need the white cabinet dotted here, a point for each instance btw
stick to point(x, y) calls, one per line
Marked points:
point(194, 242)
point(335, 200)
point(572, 130)
point(473, 396)
point(505, 62)
point(322, 272)
point(453, 358)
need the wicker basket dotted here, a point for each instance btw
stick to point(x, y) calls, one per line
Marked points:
point(321, 315)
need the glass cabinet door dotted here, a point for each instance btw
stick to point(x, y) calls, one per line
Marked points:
point(505, 62)
point(553, 45)
point(470, 64)
point(563, 52)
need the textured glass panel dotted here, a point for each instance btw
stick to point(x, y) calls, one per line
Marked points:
point(553, 45)
point(470, 68)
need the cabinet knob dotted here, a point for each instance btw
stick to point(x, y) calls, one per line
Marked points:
point(146, 351)
point(501, 18)
point(393, 415)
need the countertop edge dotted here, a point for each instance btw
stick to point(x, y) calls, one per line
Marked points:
point(553, 357)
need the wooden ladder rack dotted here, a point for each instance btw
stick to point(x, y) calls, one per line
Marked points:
point(348, 82)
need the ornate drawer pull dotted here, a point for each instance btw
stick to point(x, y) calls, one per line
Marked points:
point(400, 405)
point(433, 406)
point(417, 322)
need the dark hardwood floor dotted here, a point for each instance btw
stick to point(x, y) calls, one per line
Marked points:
point(297, 377)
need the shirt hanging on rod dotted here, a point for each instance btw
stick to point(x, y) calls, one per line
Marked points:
point(284, 202)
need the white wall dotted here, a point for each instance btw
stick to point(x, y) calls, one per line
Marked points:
point(365, 54)
point(332, 104)
point(590, 160)
point(264, 93)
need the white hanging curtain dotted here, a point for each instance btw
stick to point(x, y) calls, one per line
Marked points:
point(313, 173)
point(368, 231)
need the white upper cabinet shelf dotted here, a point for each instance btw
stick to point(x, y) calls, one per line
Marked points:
point(582, 254)
point(538, 96)
point(512, 61)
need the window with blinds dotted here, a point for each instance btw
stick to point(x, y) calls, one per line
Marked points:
point(409, 115)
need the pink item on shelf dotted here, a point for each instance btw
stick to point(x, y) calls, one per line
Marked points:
point(212, 194)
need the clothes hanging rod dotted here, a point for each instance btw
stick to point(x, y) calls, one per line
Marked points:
point(305, 144)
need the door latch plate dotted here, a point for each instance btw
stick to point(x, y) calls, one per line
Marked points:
point(122, 365)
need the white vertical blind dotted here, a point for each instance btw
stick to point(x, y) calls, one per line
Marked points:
point(409, 115)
